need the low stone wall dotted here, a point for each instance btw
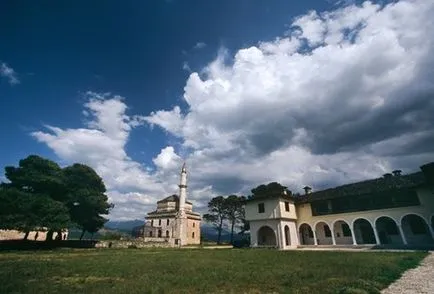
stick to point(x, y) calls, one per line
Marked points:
point(131, 244)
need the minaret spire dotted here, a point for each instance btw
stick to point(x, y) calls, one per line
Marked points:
point(182, 216)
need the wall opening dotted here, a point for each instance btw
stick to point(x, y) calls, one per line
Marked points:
point(266, 236)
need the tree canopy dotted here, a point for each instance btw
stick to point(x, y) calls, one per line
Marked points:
point(42, 195)
point(270, 190)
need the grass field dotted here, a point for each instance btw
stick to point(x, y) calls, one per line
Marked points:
point(200, 271)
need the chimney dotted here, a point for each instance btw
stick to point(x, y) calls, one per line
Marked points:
point(387, 175)
point(307, 190)
point(397, 172)
point(428, 171)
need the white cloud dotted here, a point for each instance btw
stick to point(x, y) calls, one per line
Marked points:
point(8, 73)
point(345, 95)
point(199, 45)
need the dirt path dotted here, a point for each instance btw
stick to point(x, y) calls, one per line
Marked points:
point(419, 280)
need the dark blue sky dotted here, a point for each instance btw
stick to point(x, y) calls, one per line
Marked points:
point(135, 49)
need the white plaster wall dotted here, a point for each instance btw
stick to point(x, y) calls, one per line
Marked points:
point(425, 210)
point(271, 209)
point(287, 214)
point(320, 234)
point(294, 242)
point(341, 240)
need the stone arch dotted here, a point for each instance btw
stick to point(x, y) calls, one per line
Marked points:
point(323, 233)
point(416, 229)
point(160, 233)
point(363, 231)
point(342, 232)
point(387, 230)
point(306, 234)
point(167, 234)
point(266, 236)
point(287, 236)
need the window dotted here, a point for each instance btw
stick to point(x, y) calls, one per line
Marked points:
point(286, 206)
point(192, 235)
point(152, 223)
point(327, 231)
point(194, 224)
point(261, 207)
point(159, 233)
point(346, 230)
point(150, 234)
point(168, 222)
point(167, 234)
point(159, 222)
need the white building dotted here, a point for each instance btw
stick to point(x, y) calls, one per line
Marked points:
point(393, 210)
point(174, 220)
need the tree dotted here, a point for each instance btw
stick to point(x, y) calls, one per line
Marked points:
point(87, 200)
point(217, 214)
point(270, 190)
point(36, 194)
point(234, 210)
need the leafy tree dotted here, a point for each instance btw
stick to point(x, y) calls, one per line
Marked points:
point(234, 210)
point(217, 214)
point(270, 190)
point(87, 200)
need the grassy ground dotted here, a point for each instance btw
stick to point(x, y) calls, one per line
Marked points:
point(200, 271)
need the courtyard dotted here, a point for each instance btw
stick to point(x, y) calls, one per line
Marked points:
point(201, 271)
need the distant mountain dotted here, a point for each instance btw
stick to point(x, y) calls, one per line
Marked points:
point(125, 226)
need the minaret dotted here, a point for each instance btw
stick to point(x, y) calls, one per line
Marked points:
point(183, 188)
point(182, 217)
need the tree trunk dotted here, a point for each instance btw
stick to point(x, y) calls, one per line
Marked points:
point(82, 234)
point(220, 231)
point(49, 236)
point(26, 235)
point(232, 231)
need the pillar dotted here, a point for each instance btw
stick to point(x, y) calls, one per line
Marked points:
point(353, 236)
point(401, 232)
point(279, 236)
point(333, 236)
point(315, 242)
point(431, 231)
point(377, 239)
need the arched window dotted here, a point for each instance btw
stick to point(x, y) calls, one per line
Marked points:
point(150, 234)
point(192, 235)
point(168, 221)
point(167, 234)
point(159, 222)
point(159, 233)
point(194, 224)
point(152, 223)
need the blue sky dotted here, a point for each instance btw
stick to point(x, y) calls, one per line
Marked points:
point(250, 103)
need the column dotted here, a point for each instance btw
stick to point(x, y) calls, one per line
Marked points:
point(353, 236)
point(333, 236)
point(279, 236)
point(315, 242)
point(431, 231)
point(401, 232)
point(377, 239)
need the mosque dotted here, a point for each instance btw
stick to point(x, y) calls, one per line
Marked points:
point(394, 210)
point(173, 221)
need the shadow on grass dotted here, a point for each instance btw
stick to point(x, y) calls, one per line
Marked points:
point(8, 245)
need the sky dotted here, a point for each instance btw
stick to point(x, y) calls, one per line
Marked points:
point(317, 93)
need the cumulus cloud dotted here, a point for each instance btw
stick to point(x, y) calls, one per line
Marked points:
point(343, 96)
point(9, 73)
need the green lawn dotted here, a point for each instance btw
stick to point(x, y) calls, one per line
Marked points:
point(200, 271)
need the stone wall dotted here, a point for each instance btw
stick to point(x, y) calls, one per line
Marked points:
point(132, 244)
point(34, 235)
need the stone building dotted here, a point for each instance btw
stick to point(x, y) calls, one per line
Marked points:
point(395, 210)
point(173, 221)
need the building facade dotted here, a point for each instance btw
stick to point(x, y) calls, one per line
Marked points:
point(392, 210)
point(173, 221)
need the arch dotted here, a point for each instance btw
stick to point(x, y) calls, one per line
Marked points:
point(387, 230)
point(160, 233)
point(192, 235)
point(306, 234)
point(416, 229)
point(287, 236)
point(323, 233)
point(266, 236)
point(150, 233)
point(342, 232)
point(167, 234)
point(363, 231)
